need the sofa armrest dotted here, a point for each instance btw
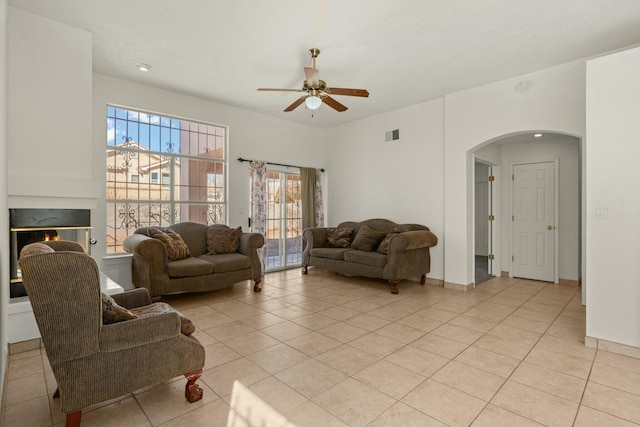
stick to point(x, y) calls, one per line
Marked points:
point(131, 299)
point(315, 238)
point(249, 245)
point(415, 239)
point(136, 332)
point(149, 265)
point(145, 246)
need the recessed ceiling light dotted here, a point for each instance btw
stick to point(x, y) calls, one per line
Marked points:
point(143, 67)
point(537, 135)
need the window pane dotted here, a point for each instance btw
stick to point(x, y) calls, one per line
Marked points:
point(201, 213)
point(199, 180)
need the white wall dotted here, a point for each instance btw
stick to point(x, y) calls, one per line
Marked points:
point(4, 210)
point(554, 102)
point(49, 97)
point(251, 136)
point(564, 150)
point(612, 153)
point(398, 180)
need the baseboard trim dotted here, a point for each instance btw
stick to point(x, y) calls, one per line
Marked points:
point(612, 347)
point(22, 346)
point(458, 286)
point(3, 394)
point(434, 282)
point(567, 282)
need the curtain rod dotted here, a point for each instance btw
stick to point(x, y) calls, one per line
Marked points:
point(240, 159)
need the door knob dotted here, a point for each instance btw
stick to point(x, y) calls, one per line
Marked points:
point(549, 227)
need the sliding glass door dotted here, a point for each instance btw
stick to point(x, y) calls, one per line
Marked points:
point(284, 221)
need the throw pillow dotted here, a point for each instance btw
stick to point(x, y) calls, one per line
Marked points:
point(367, 239)
point(383, 247)
point(223, 240)
point(35, 249)
point(186, 326)
point(181, 248)
point(114, 313)
point(339, 237)
point(172, 252)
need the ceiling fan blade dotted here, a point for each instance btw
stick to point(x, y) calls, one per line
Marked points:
point(268, 89)
point(295, 104)
point(334, 104)
point(347, 91)
point(312, 76)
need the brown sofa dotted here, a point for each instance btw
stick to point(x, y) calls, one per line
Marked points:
point(200, 271)
point(407, 250)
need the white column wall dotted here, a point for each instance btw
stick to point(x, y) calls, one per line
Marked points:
point(397, 180)
point(554, 102)
point(4, 208)
point(49, 114)
point(613, 199)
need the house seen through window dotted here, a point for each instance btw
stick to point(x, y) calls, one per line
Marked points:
point(162, 170)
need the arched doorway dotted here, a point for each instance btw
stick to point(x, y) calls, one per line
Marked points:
point(511, 153)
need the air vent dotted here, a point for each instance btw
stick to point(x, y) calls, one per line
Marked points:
point(392, 135)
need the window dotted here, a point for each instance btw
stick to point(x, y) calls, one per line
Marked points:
point(162, 170)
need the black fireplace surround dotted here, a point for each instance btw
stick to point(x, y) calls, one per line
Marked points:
point(37, 225)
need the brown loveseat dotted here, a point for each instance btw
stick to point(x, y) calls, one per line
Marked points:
point(376, 248)
point(200, 271)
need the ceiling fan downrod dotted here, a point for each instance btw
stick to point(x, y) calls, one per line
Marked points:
point(314, 52)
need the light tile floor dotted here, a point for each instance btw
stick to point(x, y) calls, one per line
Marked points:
point(326, 350)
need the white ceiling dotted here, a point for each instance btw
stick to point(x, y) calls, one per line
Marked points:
point(403, 51)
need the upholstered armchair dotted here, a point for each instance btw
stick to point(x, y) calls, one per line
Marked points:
point(92, 361)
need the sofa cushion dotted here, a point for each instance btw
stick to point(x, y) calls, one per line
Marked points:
point(339, 237)
point(114, 313)
point(189, 267)
point(224, 263)
point(223, 240)
point(367, 239)
point(383, 247)
point(186, 326)
point(374, 259)
point(175, 245)
point(329, 253)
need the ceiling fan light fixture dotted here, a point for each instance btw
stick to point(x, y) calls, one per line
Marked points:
point(313, 102)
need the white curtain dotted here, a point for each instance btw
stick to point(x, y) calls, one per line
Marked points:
point(259, 203)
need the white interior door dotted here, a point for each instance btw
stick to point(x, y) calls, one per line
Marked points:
point(534, 221)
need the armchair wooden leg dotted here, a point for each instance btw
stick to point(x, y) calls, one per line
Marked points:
point(305, 269)
point(256, 286)
point(394, 286)
point(193, 392)
point(73, 419)
point(423, 279)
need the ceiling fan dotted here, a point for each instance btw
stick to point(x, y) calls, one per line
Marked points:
point(316, 91)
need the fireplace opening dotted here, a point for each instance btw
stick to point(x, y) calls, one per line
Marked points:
point(38, 225)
